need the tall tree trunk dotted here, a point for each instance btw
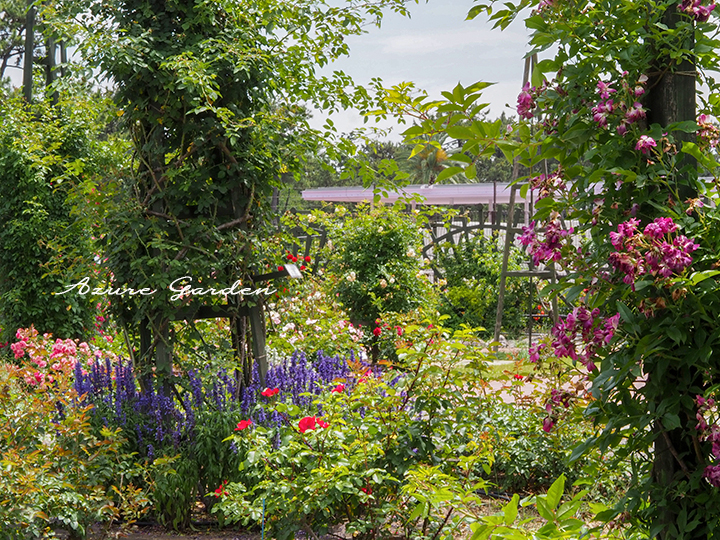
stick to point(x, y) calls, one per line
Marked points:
point(671, 98)
point(29, 49)
point(50, 74)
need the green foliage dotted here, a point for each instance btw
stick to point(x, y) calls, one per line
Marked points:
point(214, 95)
point(175, 493)
point(472, 272)
point(178, 471)
point(527, 458)
point(439, 496)
point(47, 155)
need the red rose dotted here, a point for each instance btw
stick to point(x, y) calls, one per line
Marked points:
point(518, 377)
point(219, 492)
point(281, 268)
point(309, 423)
point(366, 375)
point(338, 389)
point(270, 392)
point(377, 331)
point(294, 259)
point(302, 267)
point(307, 258)
point(242, 424)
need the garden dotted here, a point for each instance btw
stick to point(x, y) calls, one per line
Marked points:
point(178, 357)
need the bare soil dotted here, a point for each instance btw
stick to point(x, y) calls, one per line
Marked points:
point(158, 533)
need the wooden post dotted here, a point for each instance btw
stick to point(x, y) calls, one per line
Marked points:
point(506, 257)
point(50, 64)
point(50, 50)
point(257, 329)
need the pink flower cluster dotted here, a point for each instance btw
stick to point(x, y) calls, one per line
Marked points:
point(545, 5)
point(535, 350)
point(645, 143)
point(708, 134)
point(526, 102)
point(606, 106)
point(557, 398)
point(550, 249)
point(49, 359)
point(602, 110)
point(709, 434)
point(696, 9)
point(657, 251)
point(582, 333)
point(547, 185)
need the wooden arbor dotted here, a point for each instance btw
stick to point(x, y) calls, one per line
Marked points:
point(246, 314)
point(247, 327)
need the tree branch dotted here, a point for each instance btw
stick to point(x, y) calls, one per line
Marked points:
point(675, 454)
point(233, 223)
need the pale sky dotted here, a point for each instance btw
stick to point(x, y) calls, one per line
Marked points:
point(436, 48)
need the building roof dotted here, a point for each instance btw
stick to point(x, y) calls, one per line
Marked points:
point(442, 194)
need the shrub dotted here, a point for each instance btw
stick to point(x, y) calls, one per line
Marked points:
point(526, 457)
point(378, 267)
point(309, 319)
point(378, 264)
point(45, 152)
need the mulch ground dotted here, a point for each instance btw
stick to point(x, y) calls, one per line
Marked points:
point(158, 533)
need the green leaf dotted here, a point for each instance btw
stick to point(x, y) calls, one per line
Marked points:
point(693, 149)
point(448, 172)
point(511, 510)
point(417, 512)
point(481, 532)
point(625, 312)
point(640, 285)
point(537, 78)
point(470, 172)
point(544, 510)
point(675, 334)
point(671, 421)
point(555, 492)
point(687, 126)
point(536, 22)
point(417, 149)
point(697, 277)
point(581, 449)
point(460, 132)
